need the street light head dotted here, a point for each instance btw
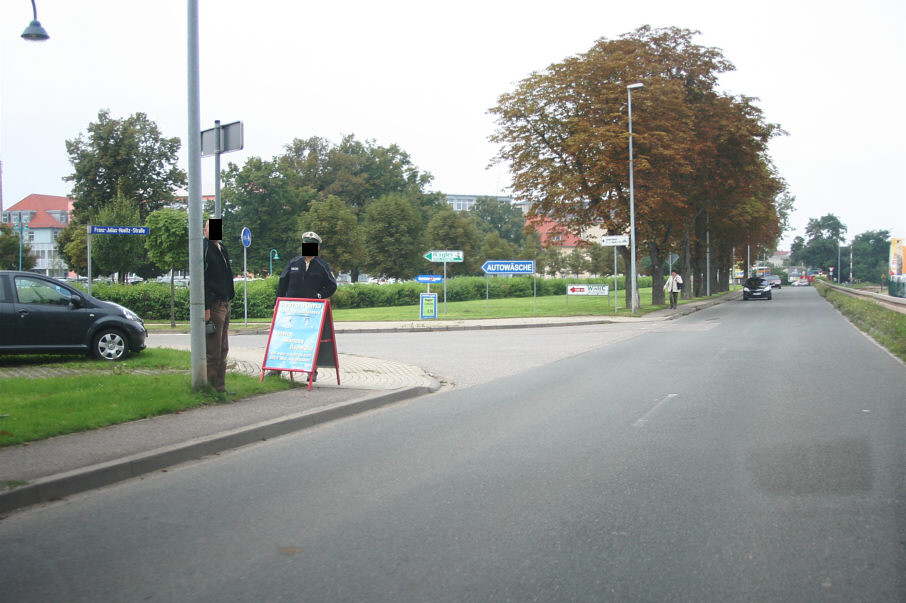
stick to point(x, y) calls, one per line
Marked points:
point(634, 86)
point(34, 32)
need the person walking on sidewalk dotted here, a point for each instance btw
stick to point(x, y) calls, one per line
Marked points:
point(673, 286)
point(218, 291)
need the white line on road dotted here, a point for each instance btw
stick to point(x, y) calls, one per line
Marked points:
point(644, 420)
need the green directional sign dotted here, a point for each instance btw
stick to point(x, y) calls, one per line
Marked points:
point(444, 256)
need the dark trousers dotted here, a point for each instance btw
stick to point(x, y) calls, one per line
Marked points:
point(673, 296)
point(217, 345)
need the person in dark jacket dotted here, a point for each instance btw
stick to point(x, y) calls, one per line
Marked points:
point(218, 291)
point(307, 276)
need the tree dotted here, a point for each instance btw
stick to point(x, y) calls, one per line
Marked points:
point(343, 241)
point(499, 216)
point(123, 157)
point(577, 262)
point(825, 234)
point(600, 259)
point(871, 255)
point(495, 247)
point(167, 245)
point(701, 167)
point(260, 197)
point(121, 254)
point(72, 243)
point(554, 261)
point(393, 237)
point(9, 250)
point(449, 229)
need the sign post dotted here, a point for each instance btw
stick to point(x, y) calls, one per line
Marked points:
point(217, 140)
point(246, 238)
point(444, 256)
point(511, 267)
point(300, 330)
point(615, 241)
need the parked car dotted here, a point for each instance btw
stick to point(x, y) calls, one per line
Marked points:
point(802, 282)
point(756, 287)
point(40, 314)
point(773, 280)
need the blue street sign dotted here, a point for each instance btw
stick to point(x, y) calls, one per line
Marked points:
point(509, 267)
point(246, 237)
point(429, 278)
point(120, 230)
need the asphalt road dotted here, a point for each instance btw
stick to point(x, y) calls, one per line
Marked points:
point(751, 451)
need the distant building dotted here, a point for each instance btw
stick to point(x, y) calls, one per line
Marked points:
point(465, 202)
point(43, 217)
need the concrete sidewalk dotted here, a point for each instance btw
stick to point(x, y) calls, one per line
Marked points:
point(59, 467)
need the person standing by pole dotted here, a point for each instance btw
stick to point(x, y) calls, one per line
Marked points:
point(218, 291)
point(673, 286)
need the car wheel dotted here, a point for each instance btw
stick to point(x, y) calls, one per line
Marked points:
point(770, 296)
point(109, 344)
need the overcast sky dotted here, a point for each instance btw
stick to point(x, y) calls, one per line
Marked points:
point(422, 75)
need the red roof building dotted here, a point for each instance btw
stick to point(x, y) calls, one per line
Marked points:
point(43, 217)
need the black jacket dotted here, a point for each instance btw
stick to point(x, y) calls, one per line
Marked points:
point(218, 275)
point(317, 282)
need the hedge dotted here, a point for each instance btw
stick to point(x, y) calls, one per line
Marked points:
point(151, 300)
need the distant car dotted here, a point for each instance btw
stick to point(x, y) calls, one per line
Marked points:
point(756, 287)
point(802, 282)
point(774, 280)
point(39, 314)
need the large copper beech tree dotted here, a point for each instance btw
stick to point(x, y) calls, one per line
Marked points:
point(701, 163)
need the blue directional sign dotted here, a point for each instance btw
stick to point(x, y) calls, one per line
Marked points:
point(429, 278)
point(246, 237)
point(120, 230)
point(509, 267)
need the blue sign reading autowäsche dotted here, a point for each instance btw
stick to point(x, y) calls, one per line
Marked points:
point(509, 267)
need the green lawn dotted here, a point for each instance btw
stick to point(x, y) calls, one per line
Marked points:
point(154, 382)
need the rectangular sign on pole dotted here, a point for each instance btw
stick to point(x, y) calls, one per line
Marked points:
point(429, 278)
point(120, 230)
point(615, 240)
point(444, 256)
point(232, 138)
point(509, 267)
point(427, 304)
point(300, 331)
point(578, 289)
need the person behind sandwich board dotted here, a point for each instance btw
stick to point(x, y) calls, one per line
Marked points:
point(307, 276)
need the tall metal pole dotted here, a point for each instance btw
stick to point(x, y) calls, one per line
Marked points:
point(218, 145)
point(850, 263)
point(634, 294)
point(196, 267)
point(708, 257)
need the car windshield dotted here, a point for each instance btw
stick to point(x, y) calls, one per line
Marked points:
point(755, 282)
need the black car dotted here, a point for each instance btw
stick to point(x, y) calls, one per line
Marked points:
point(40, 314)
point(756, 288)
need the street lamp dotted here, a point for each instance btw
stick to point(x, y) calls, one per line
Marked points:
point(34, 32)
point(273, 256)
point(634, 296)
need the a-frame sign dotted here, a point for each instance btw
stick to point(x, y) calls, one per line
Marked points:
point(301, 338)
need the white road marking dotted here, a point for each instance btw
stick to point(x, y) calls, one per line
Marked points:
point(644, 420)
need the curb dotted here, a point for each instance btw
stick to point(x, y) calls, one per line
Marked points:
point(56, 487)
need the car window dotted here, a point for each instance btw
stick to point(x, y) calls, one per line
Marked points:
point(36, 291)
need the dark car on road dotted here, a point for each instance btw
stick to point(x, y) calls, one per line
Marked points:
point(756, 287)
point(775, 281)
point(40, 314)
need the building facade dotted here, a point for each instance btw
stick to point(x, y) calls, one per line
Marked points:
point(42, 217)
point(465, 202)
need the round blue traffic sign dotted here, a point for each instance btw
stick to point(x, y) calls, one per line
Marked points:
point(246, 237)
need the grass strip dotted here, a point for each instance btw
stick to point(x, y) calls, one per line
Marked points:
point(885, 326)
point(108, 394)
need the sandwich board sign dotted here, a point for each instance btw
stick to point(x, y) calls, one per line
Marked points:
point(301, 337)
point(427, 304)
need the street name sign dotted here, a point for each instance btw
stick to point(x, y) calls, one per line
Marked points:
point(582, 289)
point(509, 267)
point(120, 230)
point(444, 256)
point(615, 240)
point(429, 278)
point(232, 138)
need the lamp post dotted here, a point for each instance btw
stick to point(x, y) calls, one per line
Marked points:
point(634, 296)
point(34, 32)
point(272, 254)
